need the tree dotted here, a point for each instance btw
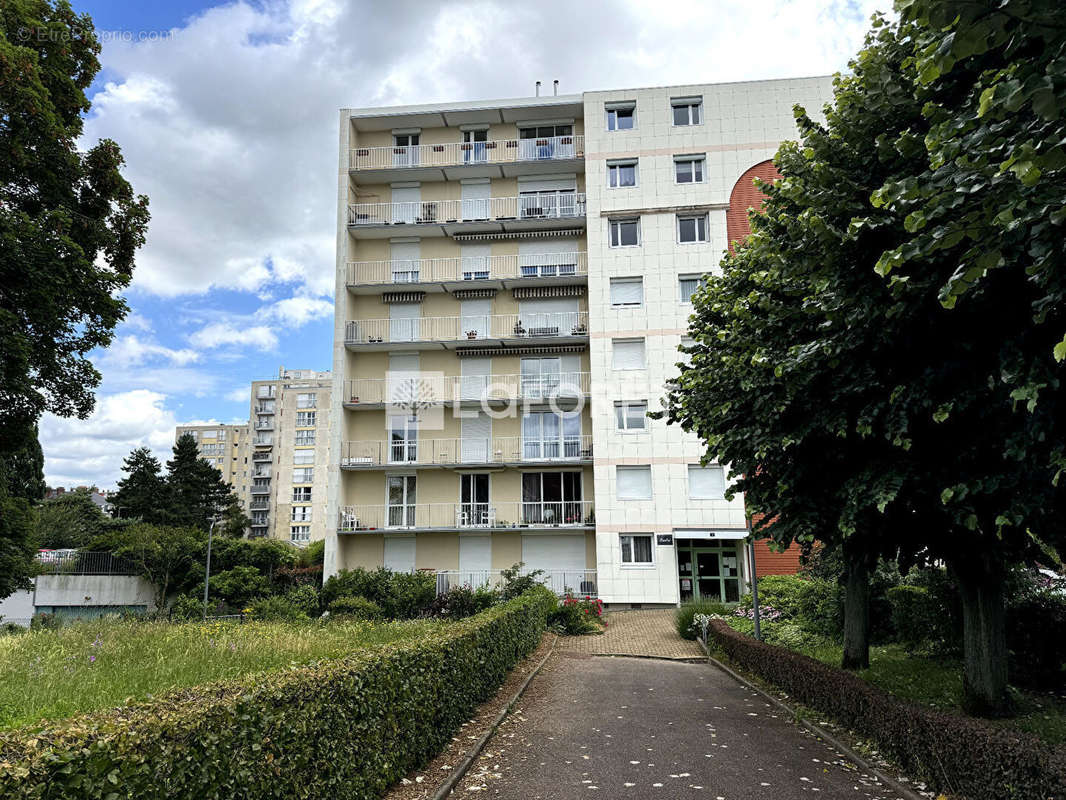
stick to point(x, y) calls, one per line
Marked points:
point(791, 344)
point(142, 494)
point(24, 469)
point(21, 485)
point(70, 520)
point(162, 554)
point(196, 491)
point(69, 223)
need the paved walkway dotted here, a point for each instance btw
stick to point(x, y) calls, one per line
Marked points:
point(635, 633)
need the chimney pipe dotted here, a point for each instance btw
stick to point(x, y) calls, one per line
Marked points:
point(556, 86)
point(538, 88)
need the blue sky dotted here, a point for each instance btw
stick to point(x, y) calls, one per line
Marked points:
point(227, 117)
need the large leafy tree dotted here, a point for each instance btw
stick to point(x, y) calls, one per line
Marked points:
point(162, 554)
point(791, 345)
point(21, 486)
point(69, 223)
point(71, 519)
point(142, 493)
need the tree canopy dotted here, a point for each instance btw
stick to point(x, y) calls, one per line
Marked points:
point(70, 224)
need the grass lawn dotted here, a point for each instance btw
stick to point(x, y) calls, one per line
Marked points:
point(936, 682)
point(46, 675)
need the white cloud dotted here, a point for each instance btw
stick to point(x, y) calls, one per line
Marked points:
point(227, 335)
point(297, 311)
point(82, 452)
point(137, 322)
point(239, 395)
point(131, 350)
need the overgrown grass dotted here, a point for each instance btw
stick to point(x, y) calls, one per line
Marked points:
point(685, 613)
point(51, 674)
point(924, 679)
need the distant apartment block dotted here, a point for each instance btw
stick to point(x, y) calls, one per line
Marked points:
point(277, 462)
point(514, 279)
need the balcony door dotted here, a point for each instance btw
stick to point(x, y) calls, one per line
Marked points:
point(476, 194)
point(403, 439)
point(401, 501)
point(404, 261)
point(405, 322)
point(551, 498)
point(476, 444)
point(474, 509)
point(476, 261)
point(547, 258)
point(547, 436)
point(405, 149)
point(540, 376)
point(474, 381)
point(475, 146)
point(546, 142)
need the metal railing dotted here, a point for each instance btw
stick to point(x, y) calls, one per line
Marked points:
point(259, 505)
point(579, 581)
point(435, 388)
point(261, 455)
point(453, 154)
point(435, 452)
point(468, 268)
point(261, 486)
point(83, 563)
point(532, 206)
point(545, 325)
point(263, 441)
point(466, 516)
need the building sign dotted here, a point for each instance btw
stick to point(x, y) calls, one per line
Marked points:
point(665, 538)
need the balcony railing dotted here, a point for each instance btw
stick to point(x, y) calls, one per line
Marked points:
point(547, 325)
point(261, 455)
point(261, 504)
point(263, 441)
point(533, 206)
point(508, 514)
point(435, 388)
point(264, 426)
point(446, 452)
point(453, 154)
point(264, 409)
point(52, 562)
point(468, 268)
point(581, 582)
point(261, 487)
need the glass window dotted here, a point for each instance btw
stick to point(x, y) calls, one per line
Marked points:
point(621, 116)
point(305, 419)
point(633, 483)
point(303, 475)
point(621, 174)
point(625, 232)
point(301, 513)
point(304, 438)
point(706, 483)
point(687, 110)
point(301, 494)
point(551, 498)
point(299, 534)
point(688, 285)
point(636, 548)
point(631, 416)
point(305, 400)
point(692, 229)
point(689, 169)
point(627, 291)
point(303, 456)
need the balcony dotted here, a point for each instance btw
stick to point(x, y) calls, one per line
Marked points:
point(506, 515)
point(264, 426)
point(263, 441)
point(264, 409)
point(261, 455)
point(560, 581)
point(498, 158)
point(514, 450)
point(472, 272)
point(261, 486)
point(490, 330)
point(534, 211)
point(450, 390)
point(259, 504)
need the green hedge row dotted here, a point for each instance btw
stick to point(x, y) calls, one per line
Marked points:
point(345, 728)
point(962, 756)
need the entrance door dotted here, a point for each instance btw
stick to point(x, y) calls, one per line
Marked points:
point(474, 510)
point(405, 150)
point(403, 439)
point(708, 571)
point(475, 148)
point(401, 499)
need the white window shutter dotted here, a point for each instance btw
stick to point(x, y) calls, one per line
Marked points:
point(627, 291)
point(706, 483)
point(634, 483)
point(628, 353)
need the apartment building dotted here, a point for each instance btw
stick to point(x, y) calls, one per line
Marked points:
point(513, 282)
point(277, 462)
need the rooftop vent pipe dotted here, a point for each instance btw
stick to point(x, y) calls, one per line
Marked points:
point(556, 86)
point(538, 88)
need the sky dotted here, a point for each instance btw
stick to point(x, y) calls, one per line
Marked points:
point(227, 118)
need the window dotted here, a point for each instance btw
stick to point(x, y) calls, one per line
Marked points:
point(636, 548)
point(621, 174)
point(305, 419)
point(687, 110)
point(634, 483)
point(631, 416)
point(551, 498)
point(621, 116)
point(303, 475)
point(688, 285)
point(628, 353)
point(264, 392)
point(692, 229)
point(305, 438)
point(627, 292)
point(689, 169)
point(706, 483)
point(259, 518)
point(301, 513)
point(547, 435)
point(301, 494)
point(624, 232)
point(305, 400)
point(299, 534)
point(303, 456)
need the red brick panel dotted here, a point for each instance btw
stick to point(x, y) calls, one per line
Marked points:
point(745, 196)
point(767, 562)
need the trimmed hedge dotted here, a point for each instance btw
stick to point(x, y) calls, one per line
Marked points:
point(963, 756)
point(345, 728)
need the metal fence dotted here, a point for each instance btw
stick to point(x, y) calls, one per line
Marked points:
point(83, 563)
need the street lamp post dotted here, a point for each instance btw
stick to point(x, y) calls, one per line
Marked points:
point(754, 582)
point(207, 573)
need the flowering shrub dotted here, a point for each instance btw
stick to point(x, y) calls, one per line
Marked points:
point(767, 613)
point(576, 616)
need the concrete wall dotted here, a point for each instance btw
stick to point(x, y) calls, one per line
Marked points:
point(76, 595)
point(17, 608)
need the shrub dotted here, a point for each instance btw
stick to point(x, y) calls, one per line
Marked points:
point(345, 728)
point(968, 757)
point(576, 616)
point(917, 616)
point(356, 607)
point(10, 629)
point(296, 604)
point(1036, 638)
point(815, 604)
point(43, 621)
point(400, 595)
point(238, 586)
point(687, 611)
point(460, 602)
point(515, 583)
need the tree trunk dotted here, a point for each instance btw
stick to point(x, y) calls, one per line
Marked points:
point(984, 638)
point(856, 613)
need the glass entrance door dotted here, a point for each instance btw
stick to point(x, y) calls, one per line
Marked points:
point(475, 146)
point(708, 570)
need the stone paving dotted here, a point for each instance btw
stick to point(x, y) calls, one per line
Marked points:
point(648, 633)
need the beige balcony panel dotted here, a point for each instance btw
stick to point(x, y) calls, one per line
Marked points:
point(468, 516)
point(450, 329)
point(535, 206)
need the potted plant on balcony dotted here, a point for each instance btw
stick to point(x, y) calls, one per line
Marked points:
point(355, 399)
point(519, 330)
point(471, 334)
point(591, 518)
point(580, 329)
